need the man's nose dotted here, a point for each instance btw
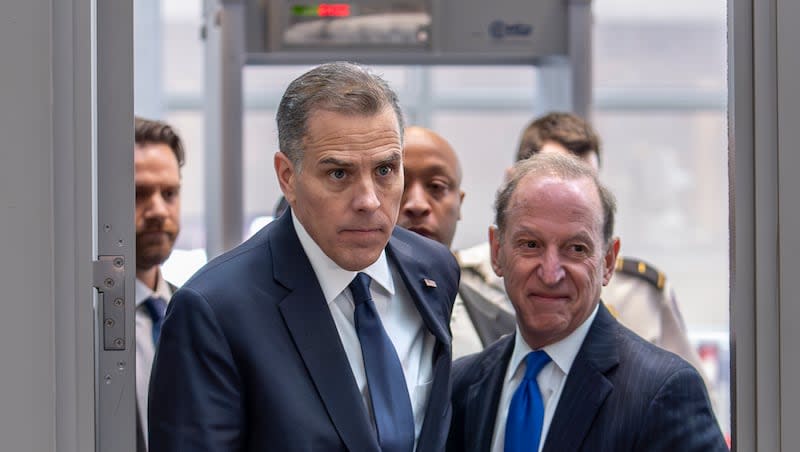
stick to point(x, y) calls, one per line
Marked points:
point(415, 203)
point(367, 198)
point(157, 206)
point(551, 271)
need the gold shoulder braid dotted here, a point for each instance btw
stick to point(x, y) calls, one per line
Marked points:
point(642, 269)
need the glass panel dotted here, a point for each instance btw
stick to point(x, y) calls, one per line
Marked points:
point(182, 57)
point(637, 55)
point(189, 126)
point(460, 78)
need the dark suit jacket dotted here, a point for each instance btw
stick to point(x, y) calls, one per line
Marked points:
point(622, 394)
point(249, 357)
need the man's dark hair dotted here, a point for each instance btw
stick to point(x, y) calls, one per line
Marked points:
point(339, 87)
point(566, 129)
point(149, 131)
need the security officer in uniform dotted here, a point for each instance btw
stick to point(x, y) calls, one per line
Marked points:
point(638, 294)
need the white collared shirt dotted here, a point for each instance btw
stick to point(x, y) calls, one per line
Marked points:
point(401, 320)
point(145, 349)
point(551, 378)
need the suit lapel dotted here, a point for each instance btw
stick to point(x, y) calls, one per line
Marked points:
point(421, 288)
point(424, 291)
point(483, 398)
point(314, 332)
point(586, 387)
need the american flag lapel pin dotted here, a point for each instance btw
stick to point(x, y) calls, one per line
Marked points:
point(429, 282)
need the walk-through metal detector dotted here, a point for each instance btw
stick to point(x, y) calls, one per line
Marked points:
point(553, 35)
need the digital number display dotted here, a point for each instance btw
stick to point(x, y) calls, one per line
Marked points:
point(334, 10)
point(322, 10)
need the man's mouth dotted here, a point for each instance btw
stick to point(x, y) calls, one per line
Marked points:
point(153, 235)
point(362, 231)
point(549, 297)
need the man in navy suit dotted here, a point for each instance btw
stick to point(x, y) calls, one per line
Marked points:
point(266, 347)
point(571, 378)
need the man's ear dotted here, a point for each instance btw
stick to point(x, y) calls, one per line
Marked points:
point(285, 170)
point(509, 173)
point(494, 244)
point(460, 203)
point(610, 260)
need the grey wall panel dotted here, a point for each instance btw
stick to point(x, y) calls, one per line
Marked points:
point(26, 228)
point(72, 229)
point(788, 113)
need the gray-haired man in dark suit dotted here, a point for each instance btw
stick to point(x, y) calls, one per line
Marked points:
point(571, 378)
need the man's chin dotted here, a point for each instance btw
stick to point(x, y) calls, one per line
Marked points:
point(148, 261)
point(358, 258)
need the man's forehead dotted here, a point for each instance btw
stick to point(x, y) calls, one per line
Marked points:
point(428, 163)
point(427, 158)
point(546, 190)
point(321, 117)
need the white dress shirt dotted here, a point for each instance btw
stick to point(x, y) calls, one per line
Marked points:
point(551, 378)
point(145, 349)
point(401, 320)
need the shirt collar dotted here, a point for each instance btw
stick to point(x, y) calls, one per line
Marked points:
point(562, 353)
point(142, 292)
point(332, 278)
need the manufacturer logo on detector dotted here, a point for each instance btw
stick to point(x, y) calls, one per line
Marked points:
point(499, 29)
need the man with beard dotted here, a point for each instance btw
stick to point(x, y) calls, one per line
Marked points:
point(158, 156)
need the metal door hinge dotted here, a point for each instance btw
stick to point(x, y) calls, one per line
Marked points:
point(109, 280)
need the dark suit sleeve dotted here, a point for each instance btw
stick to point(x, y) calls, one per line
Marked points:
point(679, 417)
point(455, 439)
point(195, 390)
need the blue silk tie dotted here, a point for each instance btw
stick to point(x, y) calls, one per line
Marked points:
point(391, 405)
point(526, 412)
point(157, 307)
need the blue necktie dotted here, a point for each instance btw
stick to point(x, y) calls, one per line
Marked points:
point(391, 406)
point(526, 412)
point(157, 307)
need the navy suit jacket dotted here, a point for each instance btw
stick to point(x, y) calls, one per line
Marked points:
point(621, 394)
point(249, 357)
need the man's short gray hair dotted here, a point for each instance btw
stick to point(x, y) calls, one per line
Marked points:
point(339, 87)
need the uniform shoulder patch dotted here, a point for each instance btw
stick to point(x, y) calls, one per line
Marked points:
point(642, 269)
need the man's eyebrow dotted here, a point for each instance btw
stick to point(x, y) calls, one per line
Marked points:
point(391, 159)
point(582, 236)
point(333, 161)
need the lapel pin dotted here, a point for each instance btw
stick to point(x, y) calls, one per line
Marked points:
point(429, 282)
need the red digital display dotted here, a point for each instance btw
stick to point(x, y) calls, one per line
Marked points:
point(333, 10)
